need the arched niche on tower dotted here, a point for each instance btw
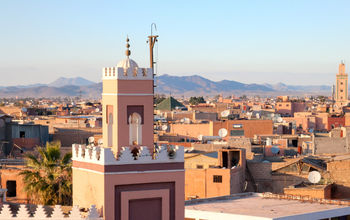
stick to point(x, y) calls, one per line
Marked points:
point(135, 114)
point(135, 129)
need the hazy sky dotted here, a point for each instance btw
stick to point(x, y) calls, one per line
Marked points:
point(263, 41)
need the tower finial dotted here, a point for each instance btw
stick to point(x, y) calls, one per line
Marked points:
point(127, 52)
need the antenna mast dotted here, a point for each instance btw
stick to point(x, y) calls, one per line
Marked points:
point(152, 40)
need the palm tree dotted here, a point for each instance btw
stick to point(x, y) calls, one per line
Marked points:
point(48, 180)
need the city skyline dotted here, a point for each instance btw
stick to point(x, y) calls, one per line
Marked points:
point(233, 41)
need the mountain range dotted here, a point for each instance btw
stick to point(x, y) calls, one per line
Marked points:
point(166, 84)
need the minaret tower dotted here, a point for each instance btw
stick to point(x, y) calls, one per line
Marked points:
point(125, 177)
point(341, 95)
point(127, 100)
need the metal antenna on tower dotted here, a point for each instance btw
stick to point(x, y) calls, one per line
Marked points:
point(152, 39)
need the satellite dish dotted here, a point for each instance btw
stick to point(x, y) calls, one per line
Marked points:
point(187, 120)
point(91, 140)
point(279, 119)
point(164, 127)
point(200, 137)
point(275, 149)
point(225, 113)
point(97, 110)
point(100, 142)
point(314, 177)
point(222, 132)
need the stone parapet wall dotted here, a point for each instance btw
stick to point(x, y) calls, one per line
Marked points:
point(105, 156)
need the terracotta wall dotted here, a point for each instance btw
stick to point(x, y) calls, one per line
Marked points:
point(314, 192)
point(339, 173)
point(69, 136)
point(284, 108)
point(336, 121)
point(199, 183)
point(250, 127)
point(191, 130)
point(12, 174)
point(26, 142)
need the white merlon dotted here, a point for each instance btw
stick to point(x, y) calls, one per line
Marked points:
point(127, 74)
point(105, 156)
point(41, 214)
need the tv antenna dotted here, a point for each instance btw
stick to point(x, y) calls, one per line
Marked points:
point(152, 39)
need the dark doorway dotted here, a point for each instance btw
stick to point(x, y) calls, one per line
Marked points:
point(224, 159)
point(11, 188)
point(22, 134)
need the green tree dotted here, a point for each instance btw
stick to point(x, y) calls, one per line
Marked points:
point(196, 100)
point(48, 179)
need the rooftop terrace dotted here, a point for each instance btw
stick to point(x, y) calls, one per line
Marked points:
point(256, 206)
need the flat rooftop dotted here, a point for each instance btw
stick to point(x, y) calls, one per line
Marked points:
point(255, 206)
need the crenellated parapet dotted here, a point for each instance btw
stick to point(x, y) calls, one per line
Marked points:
point(127, 73)
point(105, 156)
point(42, 214)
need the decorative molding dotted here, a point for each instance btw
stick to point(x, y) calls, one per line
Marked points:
point(119, 73)
point(105, 156)
point(41, 214)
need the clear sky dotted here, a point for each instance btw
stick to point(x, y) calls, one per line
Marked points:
point(263, 41)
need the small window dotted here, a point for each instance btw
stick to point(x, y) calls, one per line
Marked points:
point(287, 105)
point(11, 188)
point(22, 134)
point(237, 132)
point(341, 83)
point(280, 105)
point(217, 179)
point(199, 166)
point(341, 90)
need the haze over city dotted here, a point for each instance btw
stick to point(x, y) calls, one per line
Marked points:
point(294, 42)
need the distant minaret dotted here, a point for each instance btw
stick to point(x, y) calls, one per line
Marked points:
point(333, 95)
point(341, 95)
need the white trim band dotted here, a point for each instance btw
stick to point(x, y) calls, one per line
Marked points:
point(128, 172)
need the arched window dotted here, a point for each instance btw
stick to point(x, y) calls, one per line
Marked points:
point(135, 129)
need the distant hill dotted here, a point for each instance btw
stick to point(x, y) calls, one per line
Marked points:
point(166, 84)
point(77, 81)
point(197, 85)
